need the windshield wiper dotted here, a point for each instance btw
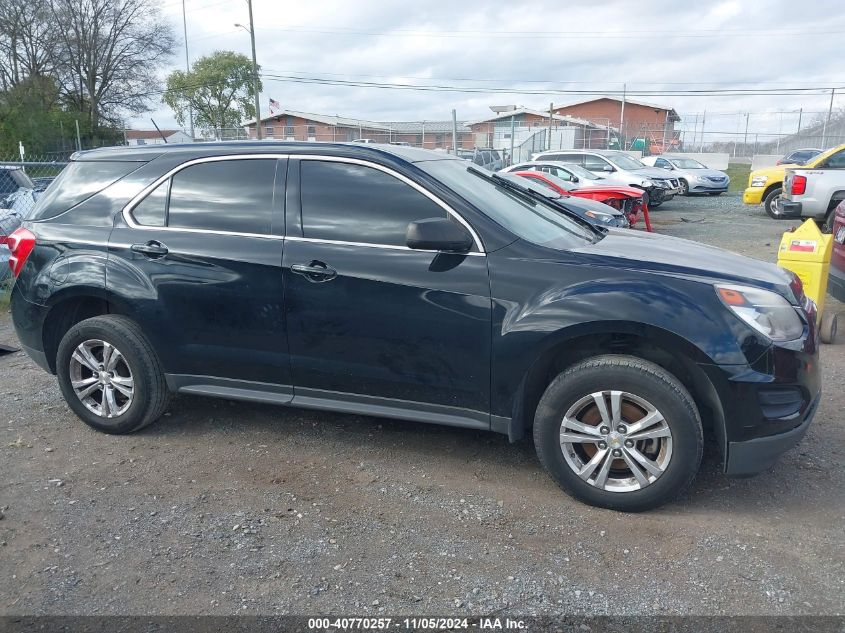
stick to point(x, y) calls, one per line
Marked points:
point(533, 196)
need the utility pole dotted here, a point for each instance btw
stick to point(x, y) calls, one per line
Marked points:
point(827, 120)
point(800, 114)
point(622, 115)
point(512, 131)
point(703, 121)
point(251, 31)
point(455, 131)
point(551, 113)
point(745, 140)
point(187, 65)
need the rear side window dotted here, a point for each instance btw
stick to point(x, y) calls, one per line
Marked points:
point(226, 195)
point(594, 163)
point(354, 203)
point(234, 196)
point(79, 181)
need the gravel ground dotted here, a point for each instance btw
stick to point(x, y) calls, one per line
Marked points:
point(227, 508)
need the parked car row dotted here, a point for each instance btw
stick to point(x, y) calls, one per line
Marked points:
point(766, 186)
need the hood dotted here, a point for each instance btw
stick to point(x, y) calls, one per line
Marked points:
point(653, 172)
point(603, 187)
point(678, 257)
point(580, 205)
point(713, 173)
point(775, 172)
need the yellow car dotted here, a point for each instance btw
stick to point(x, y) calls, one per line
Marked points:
point(765, 185)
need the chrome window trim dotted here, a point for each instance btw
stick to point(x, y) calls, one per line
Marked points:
point(357, 161)
point(315, 240)
point(130, 221)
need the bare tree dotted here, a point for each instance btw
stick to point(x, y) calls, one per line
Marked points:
point(28, 37)
point(108, 55)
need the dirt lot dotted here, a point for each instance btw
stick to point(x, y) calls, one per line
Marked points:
point(229, 508)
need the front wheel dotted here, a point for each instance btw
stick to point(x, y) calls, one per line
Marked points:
point(770, 203)
point(684, 188)
point(619, 432)
point(110, 375)
point(656, 198)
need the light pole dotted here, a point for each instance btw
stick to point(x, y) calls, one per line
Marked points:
point(187, 65)
point(251, 31)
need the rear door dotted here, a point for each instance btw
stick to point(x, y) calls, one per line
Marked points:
point(197, 262)
point(374, 325)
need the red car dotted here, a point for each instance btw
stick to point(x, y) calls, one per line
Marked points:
point(626, 199)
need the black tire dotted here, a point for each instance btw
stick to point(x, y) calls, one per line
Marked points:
point(684, 187)
point(656, 198)
point(150, 394)
point(769, 204)
point(645, 380)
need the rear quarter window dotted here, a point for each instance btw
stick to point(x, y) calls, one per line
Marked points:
point(79, 181)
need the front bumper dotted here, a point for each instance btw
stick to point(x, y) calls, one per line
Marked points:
point(836, 283)
point(708, 187)
point(753, 456)
point(753, 195)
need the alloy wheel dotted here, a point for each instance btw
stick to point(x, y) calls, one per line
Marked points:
point(616, 441)
point(101, 378)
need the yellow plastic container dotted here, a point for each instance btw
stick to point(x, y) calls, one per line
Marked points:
point(806, 252)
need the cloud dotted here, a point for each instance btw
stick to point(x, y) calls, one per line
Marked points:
point(543, 44)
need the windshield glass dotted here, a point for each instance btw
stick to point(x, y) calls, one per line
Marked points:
point(687, 163)
point(577, 170)
point(623, 161)
point(524, 217)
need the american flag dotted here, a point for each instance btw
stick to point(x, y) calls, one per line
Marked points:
point(274, 106)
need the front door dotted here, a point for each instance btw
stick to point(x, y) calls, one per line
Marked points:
point(198, 266)
point(374, 325)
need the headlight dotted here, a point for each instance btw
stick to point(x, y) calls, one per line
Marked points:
point(647, 184)
point(759, 181)
point(601, 217)
point(767, 312)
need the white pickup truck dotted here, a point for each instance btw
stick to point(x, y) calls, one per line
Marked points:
point(814, 192)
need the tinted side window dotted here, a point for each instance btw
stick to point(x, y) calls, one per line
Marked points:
point(594, 163)
point(152, 210)
point(836, 161)
point(354, 203)
point(226, 195)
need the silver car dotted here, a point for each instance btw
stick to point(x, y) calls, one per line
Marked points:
point(620, 168)
point(565, 171)
point(694, 177)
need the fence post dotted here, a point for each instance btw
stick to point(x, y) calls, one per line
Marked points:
point(78, 138)
point(513, 120)
point(455, 131)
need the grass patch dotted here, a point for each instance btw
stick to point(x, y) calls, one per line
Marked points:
point(739, 177)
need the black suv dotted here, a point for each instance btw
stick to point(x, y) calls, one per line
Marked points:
point(398, 282)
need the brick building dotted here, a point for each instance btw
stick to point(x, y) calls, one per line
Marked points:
point(568, 132)
point(291, 125)
point(642, 119)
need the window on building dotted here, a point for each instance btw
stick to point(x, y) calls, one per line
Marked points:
point(355, 203)
point(268, 131)
point(290, 131)
point(312, 130)
point(438, 140)
point(142, 141)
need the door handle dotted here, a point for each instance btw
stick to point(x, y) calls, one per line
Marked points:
point(153, 248)
point(315, 271)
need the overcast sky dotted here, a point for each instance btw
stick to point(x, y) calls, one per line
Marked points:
point(539, 45)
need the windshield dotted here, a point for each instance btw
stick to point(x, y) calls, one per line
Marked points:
point(623, 161)
point(579, 171)
point(687, 163)
point(526, 218)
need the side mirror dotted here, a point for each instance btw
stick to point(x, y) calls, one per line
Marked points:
point(438, 234)
point(607, 168)
point(668, 166)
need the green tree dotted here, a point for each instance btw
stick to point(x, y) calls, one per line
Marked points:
point(219, 89)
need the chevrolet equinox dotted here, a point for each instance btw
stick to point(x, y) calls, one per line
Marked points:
point(398, 282)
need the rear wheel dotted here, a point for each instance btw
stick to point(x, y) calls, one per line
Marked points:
point(619, 432)
point(110, 375)
point(770, 203)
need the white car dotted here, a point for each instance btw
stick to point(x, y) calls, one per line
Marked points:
point(619, 168)
point(564, 171)
point(693, 176)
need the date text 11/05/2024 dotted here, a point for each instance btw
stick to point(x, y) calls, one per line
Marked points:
point(416, 624)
